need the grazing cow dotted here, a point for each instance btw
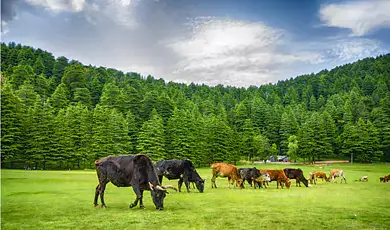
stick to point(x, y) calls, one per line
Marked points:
point(183, 170)
point(364, 178)
point(296, 174)
point(336, 173)
point(262, 181)
point(277, 175)
point(252, 174)
point(314, 175)
point(226, 170)
point(385, 179)
point(135, 171)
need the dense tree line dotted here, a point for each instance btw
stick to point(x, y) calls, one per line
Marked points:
point(60, 113)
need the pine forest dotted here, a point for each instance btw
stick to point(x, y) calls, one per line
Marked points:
point(58, 114)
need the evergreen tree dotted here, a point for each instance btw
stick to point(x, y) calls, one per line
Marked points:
point(132, 131)
point(59, 99)
point(38, 66)
point(151, 137)
point(59, 68)
point(293, 147)
point(11, 123)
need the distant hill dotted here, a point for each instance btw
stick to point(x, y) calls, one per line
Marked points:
point(58, 113)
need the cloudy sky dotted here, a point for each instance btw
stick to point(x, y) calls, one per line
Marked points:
point(238, 43)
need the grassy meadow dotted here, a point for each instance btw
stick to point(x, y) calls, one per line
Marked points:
point(64, 200)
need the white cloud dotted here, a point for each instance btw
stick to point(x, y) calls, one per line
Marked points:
point(236, 52)
point(150, 37)
point(121, 12)
point(360, 16)
point(4, 27)
point(57, 6)
point(348, 50)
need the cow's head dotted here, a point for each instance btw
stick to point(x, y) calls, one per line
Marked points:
point(266, 177)
point(200, 185)
point(240, 183)
point(158, 194)
point(288, 183)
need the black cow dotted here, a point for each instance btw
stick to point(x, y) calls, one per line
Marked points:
point(183, 170)
point(253, 175)
point(135, 171)
point(296, 174)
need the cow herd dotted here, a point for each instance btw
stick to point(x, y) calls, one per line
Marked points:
point(139, 172)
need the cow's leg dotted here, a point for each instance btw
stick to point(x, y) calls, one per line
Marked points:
point(160, 178)
point(180, 183)
point(343, 179)
point(95, 201)
point(138, 194)
point(187, 183)
point(229, 178)
point(141, 203)
point(250, 182)
point(102, 187)
point(213, 185)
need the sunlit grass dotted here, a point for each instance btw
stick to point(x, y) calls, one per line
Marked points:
point(64, 200)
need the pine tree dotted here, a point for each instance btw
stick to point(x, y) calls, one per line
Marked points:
point(59, 68)
point(119, 130)
point(151, 137)
point(40, 142)
point(38, 66)
point(132, 130)
point(60, 98)
point(262, 147)
point(248, 133)
point(73, 78)
point(11, 123)
point(112, 97)
point(293, 147)
point(83, 96)
point(20, 74)
point(288, 127)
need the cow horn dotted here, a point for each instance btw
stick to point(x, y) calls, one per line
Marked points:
point(150, 186)
point(158, 187)
point(170, 186)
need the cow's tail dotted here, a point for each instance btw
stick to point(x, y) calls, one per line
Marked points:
point(146, 164)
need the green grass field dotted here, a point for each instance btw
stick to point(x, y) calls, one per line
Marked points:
point(64, 200)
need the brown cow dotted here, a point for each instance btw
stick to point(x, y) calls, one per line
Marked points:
point(277, 175)
point(336, 173)
point(296, 174)
point(384, 179)
point(226, 170)
point(314, 175)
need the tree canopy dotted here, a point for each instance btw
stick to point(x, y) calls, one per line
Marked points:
point(60, 113)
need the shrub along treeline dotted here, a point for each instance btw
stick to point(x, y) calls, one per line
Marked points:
point(58, 113)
